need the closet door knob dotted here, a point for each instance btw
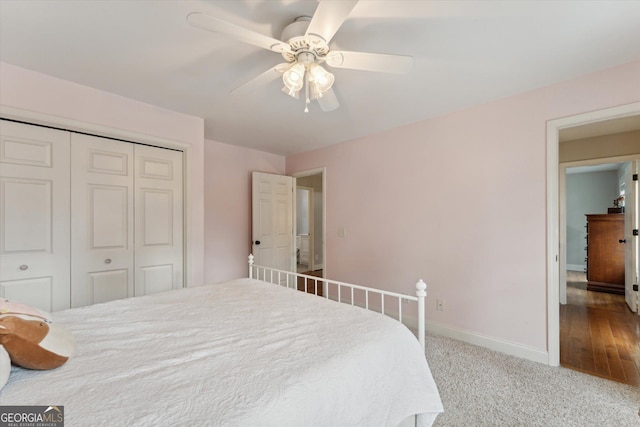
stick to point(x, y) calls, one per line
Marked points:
point(24, 267)
point(107, 261)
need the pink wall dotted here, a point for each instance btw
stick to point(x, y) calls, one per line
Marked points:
point(61, 101)
point(460, 201)
point(228, 206)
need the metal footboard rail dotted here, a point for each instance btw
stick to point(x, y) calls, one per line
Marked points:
point(290, 279)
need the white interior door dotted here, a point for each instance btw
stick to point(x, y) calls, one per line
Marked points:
point(631, 246)
point(102, 220)
point(158, 222)
point(272, 219)
point(34, 215)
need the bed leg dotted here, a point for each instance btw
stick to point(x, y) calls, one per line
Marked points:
point(421, 293)
point(250, 266)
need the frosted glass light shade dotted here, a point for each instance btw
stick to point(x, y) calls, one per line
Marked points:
point(293, 78)
point(292, 93)
point(322, 79)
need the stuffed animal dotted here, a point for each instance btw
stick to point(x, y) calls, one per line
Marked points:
point(35, 344)
point(5, 366)
point(29, 339)
point(13, 308)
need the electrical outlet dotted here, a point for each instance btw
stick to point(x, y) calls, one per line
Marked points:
point(439, 305)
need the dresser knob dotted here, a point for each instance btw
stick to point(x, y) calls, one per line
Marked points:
point(107, 261)
point(24, 267)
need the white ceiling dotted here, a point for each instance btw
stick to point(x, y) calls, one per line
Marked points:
point(466, 53)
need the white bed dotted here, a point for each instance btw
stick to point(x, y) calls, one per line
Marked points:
point(240, 353)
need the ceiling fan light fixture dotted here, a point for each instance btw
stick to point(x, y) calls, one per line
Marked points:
point(292, 93)
point(293, 78)
point(304, 45)
point(314, 92)
point(321, 78)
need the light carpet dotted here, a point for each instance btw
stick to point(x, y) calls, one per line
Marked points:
point(481, 387)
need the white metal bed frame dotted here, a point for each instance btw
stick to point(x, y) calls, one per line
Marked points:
point(290, 280)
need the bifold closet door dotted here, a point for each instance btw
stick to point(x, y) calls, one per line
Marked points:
point(102, 220)
point(127, 216)
point(158, 223)
point(34, 215)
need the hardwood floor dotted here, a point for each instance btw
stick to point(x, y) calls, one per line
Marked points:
point(311, 286)
point(599, 335)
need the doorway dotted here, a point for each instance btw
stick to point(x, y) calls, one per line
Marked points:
point(591, 189)
point(310, 222)
point(305, 232)
point(555, 245)
point(598, 330)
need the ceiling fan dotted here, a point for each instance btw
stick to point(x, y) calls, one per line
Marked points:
point(304, 45)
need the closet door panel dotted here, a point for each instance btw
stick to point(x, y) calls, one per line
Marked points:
point(108, 285)
point(155, 278)
point(108, 226)
point(157, 215)
point(102, 220)
point(36, 292)
point(27, 221)
point(34, 215)
point(159, 211)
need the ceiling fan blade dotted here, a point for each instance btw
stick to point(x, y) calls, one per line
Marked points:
point(328, 101)
point(217, 25)
point(263, 79)
point(380, 62)
point(328, 18)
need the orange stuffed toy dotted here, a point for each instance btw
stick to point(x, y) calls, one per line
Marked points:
point(30, 340)
point(35, 344)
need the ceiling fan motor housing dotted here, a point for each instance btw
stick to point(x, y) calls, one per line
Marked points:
point(294, 35)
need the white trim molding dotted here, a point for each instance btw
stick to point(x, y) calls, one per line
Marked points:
point(309, 172)
point(553, 214)
point(497, 344)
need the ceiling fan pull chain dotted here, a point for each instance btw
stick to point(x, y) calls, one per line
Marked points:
point(306, 92)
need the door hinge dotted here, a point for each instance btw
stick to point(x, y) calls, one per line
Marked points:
point(635, 176)
point(635, 288)
point(635, 231)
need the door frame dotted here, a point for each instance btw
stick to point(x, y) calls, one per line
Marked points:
point(553, 214)
point(323, 172)
point(310, 219)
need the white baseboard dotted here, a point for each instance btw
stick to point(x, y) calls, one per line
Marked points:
point(504, 346)
point(576, 267)
point(493, 343)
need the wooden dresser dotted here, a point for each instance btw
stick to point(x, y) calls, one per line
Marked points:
point(605, 253)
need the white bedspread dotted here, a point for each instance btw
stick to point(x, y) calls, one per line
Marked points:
point(242, 353)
